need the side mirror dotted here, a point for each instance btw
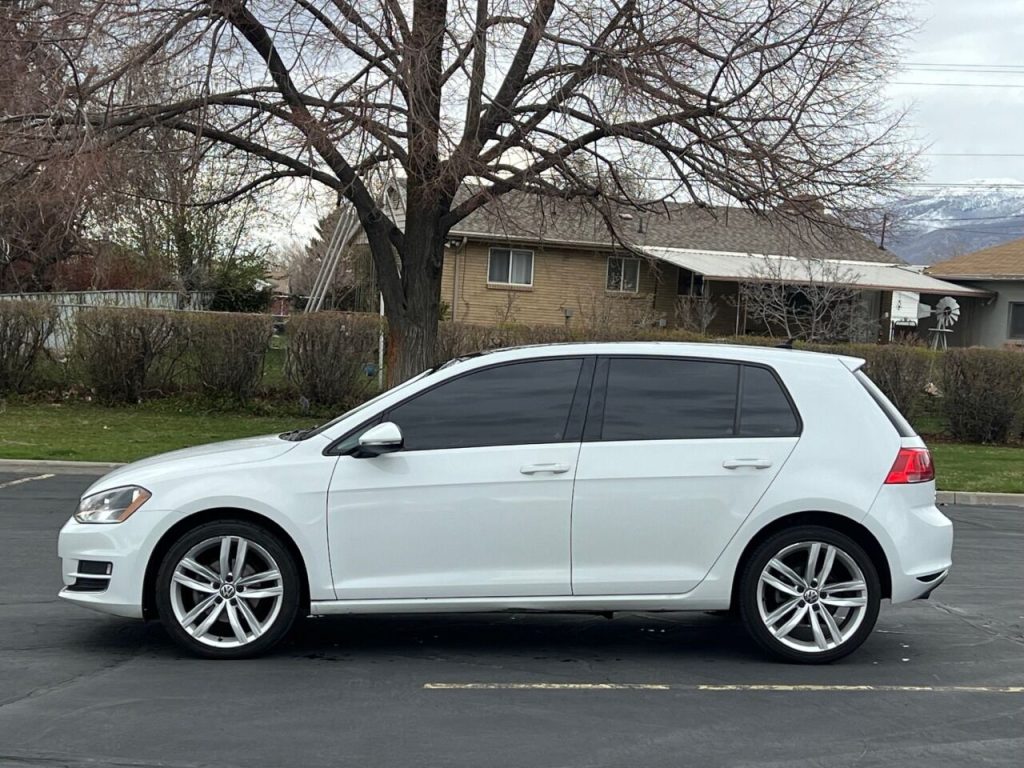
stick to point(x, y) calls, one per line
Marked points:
point(383, 438)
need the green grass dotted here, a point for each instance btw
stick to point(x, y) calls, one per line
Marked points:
point(83, 431)
point(79, 431)
point(978, 467)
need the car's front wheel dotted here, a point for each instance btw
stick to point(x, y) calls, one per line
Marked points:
point(228, 589)
point(809, 594)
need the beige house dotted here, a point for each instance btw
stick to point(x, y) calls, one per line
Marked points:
point(541, 261)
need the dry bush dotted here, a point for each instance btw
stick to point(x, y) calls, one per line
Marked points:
point(122, 353)
point(227, 351)
point(24, 329)
point(902, 372)
point(983, 394)
point(328, 354)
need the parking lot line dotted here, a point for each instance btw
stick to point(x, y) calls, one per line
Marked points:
point(754, 687)
point(11, 483)
point(546, 687)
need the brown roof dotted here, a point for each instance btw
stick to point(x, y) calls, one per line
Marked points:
point(521, 217)
point(1004, 261)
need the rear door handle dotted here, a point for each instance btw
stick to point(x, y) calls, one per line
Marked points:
point(536, 469)
point(754, 463)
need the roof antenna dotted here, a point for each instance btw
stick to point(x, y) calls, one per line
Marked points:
point(787, 344)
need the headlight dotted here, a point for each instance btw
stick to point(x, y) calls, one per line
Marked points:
point(113, 506)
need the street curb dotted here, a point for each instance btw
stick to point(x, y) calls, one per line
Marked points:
point(70, 466)
point(980, 499)
point(967, 498)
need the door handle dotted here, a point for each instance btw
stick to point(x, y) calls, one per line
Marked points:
point(536, 469)
point(753, 463)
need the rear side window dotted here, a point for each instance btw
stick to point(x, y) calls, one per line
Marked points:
point(669, 399)
point(517, 404)
point(765, 411)
point(890, 410)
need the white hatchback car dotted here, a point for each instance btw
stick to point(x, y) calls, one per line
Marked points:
point(580, 477)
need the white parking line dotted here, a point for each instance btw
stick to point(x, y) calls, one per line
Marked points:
point(11, 483)
point(1018, 689)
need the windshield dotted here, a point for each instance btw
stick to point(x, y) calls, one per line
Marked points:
point(303, 434)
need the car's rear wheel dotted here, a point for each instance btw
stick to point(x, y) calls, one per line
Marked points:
point(228, 589)
point(809, 594)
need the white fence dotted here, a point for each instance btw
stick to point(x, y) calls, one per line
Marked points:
point(71, 302)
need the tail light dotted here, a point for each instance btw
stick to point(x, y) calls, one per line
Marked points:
point(912, 465)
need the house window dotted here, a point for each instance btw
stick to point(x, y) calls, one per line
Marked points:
point(623, 274)
point(508, 266)
point(1017, 321)
point(690, 283)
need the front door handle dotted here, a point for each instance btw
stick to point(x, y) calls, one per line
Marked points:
point(753, 463)
point(536, 469)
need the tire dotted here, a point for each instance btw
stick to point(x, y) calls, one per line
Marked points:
point(798, 618)
point(214, 617)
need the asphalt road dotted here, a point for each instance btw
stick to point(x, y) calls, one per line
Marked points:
point(82, 689)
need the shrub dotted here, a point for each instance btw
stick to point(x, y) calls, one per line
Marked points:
point(121, 353)
point(24, 328)
point(902, 372)
point(227, 351)
point(983, 392)
point(328, 355)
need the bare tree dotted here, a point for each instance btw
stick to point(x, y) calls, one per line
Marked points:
point(696, 313)
point(753, 101)
point(811, 299)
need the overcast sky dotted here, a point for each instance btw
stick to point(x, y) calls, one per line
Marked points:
point(983, 115)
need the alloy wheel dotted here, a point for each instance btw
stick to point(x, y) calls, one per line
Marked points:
point(226, 591)
point(812, 596)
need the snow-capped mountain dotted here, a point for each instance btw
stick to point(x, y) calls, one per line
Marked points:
point(933, 227)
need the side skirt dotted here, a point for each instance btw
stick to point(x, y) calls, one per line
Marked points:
point(558, 604)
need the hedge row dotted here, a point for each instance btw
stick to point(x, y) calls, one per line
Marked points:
point(124, 355)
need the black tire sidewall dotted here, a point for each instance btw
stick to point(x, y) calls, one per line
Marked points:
point(750, 575)
point(289, 577)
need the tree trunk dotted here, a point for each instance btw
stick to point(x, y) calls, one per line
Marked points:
point(412, 324)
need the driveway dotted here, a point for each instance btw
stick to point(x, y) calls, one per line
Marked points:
point(940, 683)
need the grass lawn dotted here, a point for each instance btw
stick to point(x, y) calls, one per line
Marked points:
point(978, 467)
point(80, 431)
point(89, 432)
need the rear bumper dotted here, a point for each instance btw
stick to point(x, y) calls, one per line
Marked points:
point(916, 537)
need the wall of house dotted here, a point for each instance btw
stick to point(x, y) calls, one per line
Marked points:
point(983, 322)
point(563, 280)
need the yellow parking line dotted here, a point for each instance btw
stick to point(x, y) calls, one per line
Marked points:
point(756, 687)
point(866, 688)
point(546, 687)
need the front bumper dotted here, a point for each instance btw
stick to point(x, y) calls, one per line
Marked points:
point(118, 544)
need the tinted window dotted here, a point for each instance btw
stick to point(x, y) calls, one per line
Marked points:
point(765, 409)
point(513, 404)
point(664, 399)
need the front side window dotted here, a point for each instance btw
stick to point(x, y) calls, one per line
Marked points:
point(623, 274)
point(669, 399)
point(1016, 321)
point(510, 266)
point(517, 404)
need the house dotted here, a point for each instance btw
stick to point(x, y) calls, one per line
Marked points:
point(997, 320)
point(525, 259)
